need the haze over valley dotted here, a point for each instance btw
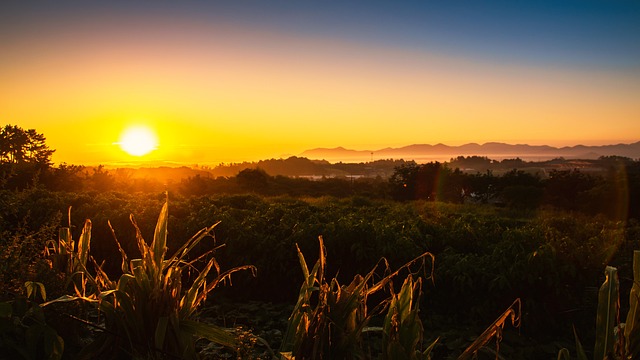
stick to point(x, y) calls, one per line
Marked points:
point(497, 151)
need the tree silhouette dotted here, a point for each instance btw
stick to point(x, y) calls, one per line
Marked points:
point(23, 146)
point(253, 180)
point(24, 156)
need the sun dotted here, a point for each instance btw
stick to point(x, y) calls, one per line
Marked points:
point(138, 140)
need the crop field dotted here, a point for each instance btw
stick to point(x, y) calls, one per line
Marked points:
point(249, 275)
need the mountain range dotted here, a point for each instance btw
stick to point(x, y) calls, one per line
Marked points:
point(492, 150)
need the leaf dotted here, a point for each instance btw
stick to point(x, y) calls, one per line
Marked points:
point(123, 254)
point(34, 288)
point(68, 298)
point(161, 331)
point(189, 302)
point(210, 332)
point(83, 243)
point(493, 329)
point(608, 304)
point(159, 245)
point(191, 243)
point(426, 354)
point(65, 242)
point(563, 354)
point(53, 344)
point(579, 349)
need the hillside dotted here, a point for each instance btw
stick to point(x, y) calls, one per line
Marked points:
point(493, 150)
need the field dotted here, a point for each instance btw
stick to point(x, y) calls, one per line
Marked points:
point(485, 257)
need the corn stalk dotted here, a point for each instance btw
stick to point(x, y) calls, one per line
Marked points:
point(70, 257)
point(608, 345)
point(147, 312)
point(329, 319)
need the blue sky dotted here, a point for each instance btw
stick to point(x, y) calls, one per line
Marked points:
point(580, 33)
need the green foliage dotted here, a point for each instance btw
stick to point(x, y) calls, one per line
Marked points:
point(24, 332)
point(487, 256)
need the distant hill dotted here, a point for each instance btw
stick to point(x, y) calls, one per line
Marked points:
point(493, 150)
point(292, 167)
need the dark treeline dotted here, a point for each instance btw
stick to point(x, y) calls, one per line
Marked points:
point(609, 185)
point(614, 191)
point(299, 166)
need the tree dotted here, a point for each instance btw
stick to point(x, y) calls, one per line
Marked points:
point(19, 146)
point(24, 156)
point(403, 181)
point(255, 180)
point(566, 189)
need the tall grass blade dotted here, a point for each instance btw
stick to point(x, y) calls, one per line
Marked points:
point(161, 331)
point(606, 318)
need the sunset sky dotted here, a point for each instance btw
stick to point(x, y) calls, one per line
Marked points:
point(249, 80)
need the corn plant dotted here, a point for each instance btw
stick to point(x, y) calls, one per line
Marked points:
point(329, 319)
point(613, 339)
point(147, 312)
point(70, 257)
point(402, 328)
